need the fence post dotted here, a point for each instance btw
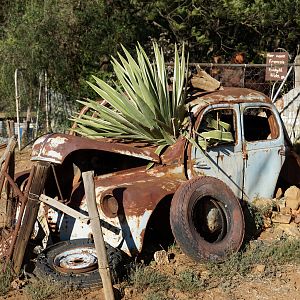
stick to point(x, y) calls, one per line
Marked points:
point(89, 188)
point(297, 71)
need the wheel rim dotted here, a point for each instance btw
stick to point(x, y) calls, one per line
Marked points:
point(209, 219)
point(77, 260)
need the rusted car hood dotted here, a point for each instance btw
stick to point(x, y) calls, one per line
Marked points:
point(56, 147)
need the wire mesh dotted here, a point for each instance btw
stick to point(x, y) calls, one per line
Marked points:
point(247, 76)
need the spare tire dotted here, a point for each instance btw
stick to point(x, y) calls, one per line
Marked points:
point(75, 263)
point(207, 219)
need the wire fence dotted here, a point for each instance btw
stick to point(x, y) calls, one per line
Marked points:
point(248, 76)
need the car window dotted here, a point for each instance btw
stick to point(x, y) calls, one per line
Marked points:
point(259, 124)
point(217, 127)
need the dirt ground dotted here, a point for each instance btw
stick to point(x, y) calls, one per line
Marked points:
point(283, 284)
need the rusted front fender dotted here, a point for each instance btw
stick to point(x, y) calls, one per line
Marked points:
point(56, 147)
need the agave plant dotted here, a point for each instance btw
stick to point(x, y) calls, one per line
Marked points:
point(143, 107)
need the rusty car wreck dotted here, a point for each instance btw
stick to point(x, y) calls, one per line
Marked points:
point(194, 190)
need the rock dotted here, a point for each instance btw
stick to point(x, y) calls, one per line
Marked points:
point(280, 203)
point(17, 284)
point(292, 192)
point(297, 219)
point(267, 223)
point(204, 81)
point(161, 257)
point(128, 292)
point(205, 274)
point(285, 210)
point(288, 229)
point(292, 203)
point(292, 197)
point(280, 218)
point(258, 269)
point(279, 193)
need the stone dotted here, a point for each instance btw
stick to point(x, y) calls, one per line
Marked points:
point(289, 229)
point(292, 203)
point(205, 275)
point(17, 284)
point(297, 219)
point(279, 193)
point(292, 192)
point(285, 210)
point(280, 203)
point(128, 292)
point(258, 269)
point(280, 218)
point(161, 257)
point(267, 223)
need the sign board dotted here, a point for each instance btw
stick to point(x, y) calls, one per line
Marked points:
point(278, 68)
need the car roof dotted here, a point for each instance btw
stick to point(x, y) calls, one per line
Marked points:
point(227, 95)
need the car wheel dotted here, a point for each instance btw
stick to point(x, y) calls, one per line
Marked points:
point(75, 263)
point(207, 219)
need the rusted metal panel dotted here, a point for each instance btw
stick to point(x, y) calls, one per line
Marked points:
point(56, 147)
point(137, 193)
point(230, 96)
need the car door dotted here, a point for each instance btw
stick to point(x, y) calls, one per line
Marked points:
point(220, 158)
point(263, 147)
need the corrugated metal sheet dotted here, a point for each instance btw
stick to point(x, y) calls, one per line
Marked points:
point(289, 109)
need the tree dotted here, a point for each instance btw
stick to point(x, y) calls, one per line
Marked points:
point(224, 27)
point(69, 39)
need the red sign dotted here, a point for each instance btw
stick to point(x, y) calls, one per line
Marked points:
point(278, 65)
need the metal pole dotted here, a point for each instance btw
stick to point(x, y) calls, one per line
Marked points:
point(89, 188)
point(282, 83)
point(17, 108)
point(47, 104)
point(38, 106)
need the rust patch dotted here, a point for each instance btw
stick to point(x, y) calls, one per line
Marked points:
point(56, 147)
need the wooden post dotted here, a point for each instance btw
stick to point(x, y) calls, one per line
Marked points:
point(89, 187)
point(30, 215)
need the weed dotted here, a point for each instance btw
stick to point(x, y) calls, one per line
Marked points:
point(271, 255)
point(152, 295)
point(174, 248)
point(5, 280)
point(40, 289)
point(189, 281)
point(143, 277)
point(258, 215)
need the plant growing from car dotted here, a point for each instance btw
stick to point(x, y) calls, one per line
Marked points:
point(142, 108)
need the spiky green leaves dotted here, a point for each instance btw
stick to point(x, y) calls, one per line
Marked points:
point(143, 108)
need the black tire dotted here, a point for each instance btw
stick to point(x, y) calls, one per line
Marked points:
point(47, 264)
point(195, 205)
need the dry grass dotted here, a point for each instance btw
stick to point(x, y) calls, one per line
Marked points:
point(160, 283)
point(39, 289)
point(5, 280)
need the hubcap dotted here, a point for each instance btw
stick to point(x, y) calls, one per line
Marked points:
point(76, 260)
